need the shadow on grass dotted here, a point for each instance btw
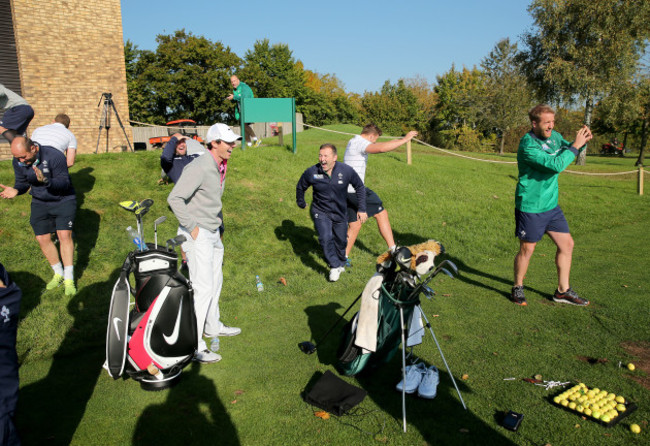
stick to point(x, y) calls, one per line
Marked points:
point(50, 410)
point(86, 221)
point(303, 242)
point(440, 421)
point(181, 419)
point(32, 287)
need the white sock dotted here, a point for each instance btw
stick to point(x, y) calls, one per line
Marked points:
point(58, 269)
point(68, 272)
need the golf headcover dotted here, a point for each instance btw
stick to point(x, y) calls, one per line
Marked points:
point(419, 258)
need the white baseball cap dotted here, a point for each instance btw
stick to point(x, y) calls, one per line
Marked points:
point(221, 132)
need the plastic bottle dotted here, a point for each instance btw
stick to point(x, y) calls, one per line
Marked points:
point(214, 344)
point(258, 282)
point(136, 238)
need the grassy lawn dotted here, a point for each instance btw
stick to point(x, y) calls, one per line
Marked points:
point(252, 396)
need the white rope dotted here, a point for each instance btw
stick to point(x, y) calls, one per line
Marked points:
point(450, 152)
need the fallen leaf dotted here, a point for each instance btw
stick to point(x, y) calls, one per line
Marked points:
point(495, 353)
point(322, 414)
point(465, 377)
point(436, 315)
point(233, 402)
point(624, 286)
point(495, 197)
point(381, 438)
point(577, 426)
point(281, 200)
point(538, 377)
point(239, 392)
point(444, 223)
point(446, 295)
point(283, 281)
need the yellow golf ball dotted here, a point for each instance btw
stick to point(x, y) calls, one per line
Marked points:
point(630, 366)
point(635, 428)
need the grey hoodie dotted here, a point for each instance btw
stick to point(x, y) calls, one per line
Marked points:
point(196, 197)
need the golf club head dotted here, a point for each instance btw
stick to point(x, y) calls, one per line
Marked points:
point(129, 205)
point(428, 292)
point(446, 271)
point(307, 347)
point(403, 257)
point(159, 220)
point(451, 265)
point(144, 206)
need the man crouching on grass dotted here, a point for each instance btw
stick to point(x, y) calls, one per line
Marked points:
point(43, 171)
point(542, 155)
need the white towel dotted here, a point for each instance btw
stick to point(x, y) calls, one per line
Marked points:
point(366, 336)
point(416, 328)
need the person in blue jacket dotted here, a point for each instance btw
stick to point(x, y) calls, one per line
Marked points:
point(174, 157)
point(43, 171)
point(10, 296)
point(329, 180)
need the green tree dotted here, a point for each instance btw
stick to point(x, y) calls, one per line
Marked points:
point(327, 101)
point(186, 77)
point(582, 48)
point(458, 111)
point(395, 109)
point(507, 97)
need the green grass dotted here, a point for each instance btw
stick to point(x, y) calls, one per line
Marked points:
point(252, 397)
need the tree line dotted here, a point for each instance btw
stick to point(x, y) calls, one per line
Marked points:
point(587, 58)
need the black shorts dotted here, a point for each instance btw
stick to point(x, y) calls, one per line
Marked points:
point(531, 227)
point(48, 218)
point(373, 205)
point(17, 118)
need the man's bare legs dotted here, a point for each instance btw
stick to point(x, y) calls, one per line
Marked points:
point(563, 257)
point(384, 229)
point(522, 260)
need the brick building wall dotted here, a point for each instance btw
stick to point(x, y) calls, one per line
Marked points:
point(69, 53)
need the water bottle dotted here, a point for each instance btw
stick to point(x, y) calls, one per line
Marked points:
point(258, 282)
point(214, 344)
point(136, 238)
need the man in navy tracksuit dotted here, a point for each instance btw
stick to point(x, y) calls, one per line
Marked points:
point(10, 296)
point(330, 181)
point(174, 157)
point(43, 171)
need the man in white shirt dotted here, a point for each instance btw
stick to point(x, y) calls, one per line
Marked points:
point(58, 136)
point(356, 156)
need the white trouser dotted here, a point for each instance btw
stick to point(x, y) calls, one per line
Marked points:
point(204, 260)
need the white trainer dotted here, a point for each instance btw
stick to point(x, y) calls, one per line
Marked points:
point(228, 331)
point(428, 388)
point(413, 377)
point(335, 273)
point(206, 357)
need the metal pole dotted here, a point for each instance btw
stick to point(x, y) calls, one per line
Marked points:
point(401, 321)
point(443, 357)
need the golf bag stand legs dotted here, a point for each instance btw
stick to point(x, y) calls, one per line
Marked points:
point(451, 375)
point(403, 330)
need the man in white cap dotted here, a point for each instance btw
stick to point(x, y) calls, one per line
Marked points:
point(196, 202)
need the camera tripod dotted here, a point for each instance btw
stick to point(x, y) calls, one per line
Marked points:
point(105, 120)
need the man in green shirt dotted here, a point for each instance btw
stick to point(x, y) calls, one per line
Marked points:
point(542, 155)
point(241, 90)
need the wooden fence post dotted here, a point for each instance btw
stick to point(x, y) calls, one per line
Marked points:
point(640, 182)
point(408, 152)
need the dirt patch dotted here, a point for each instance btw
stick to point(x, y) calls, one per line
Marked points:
point(640, 352)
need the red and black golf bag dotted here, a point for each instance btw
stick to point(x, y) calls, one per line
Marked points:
point(153, 341)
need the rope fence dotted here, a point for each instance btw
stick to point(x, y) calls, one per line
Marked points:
point(640, 171)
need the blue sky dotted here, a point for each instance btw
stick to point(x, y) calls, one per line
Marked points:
point(364, 43)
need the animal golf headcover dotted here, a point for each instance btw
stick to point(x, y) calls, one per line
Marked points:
point(422, 257)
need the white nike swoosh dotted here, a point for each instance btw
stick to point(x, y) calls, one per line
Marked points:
point(117, 329)
point(171, 340)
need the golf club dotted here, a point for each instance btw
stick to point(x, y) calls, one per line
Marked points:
point(156, 222)
point(174, 242)
point(140, 211)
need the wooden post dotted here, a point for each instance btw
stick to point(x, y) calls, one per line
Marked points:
point(408, 152)
point(640, 182)
point(280, 134)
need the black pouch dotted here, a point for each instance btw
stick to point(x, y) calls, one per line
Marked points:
point(334, 395)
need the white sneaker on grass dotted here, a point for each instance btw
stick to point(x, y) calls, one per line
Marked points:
point(413, 377)
point(428, 388)
point(206, 357)
point(335, 273)
point(228, 331)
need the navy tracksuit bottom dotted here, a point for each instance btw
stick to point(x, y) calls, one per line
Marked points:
point(9, 309)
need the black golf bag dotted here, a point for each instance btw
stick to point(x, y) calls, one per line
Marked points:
point(157, 338)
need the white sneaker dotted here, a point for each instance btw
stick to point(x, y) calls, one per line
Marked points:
point(206, 356)
point(428, 388)
point(413, 378)
point(228, 331)
point(335, 273)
